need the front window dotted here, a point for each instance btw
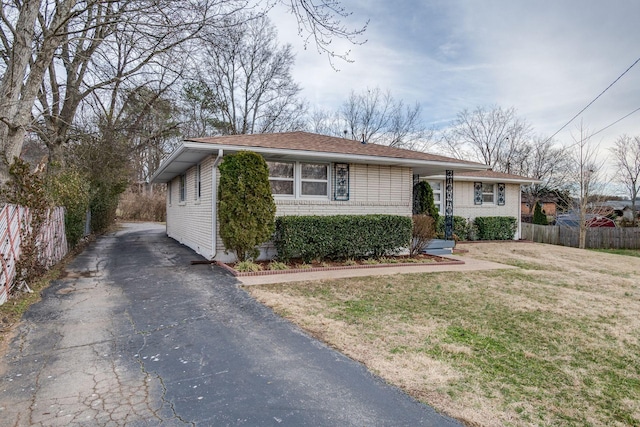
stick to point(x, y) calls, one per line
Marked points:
point(281, 178)
point(487, 193)
point(314, 178)
point(299, 179)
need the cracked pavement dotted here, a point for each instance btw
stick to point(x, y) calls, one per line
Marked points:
point(136, 336)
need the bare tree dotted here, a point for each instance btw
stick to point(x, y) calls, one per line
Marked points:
point(247, 76)
point(30, 37)
point(626, 152)
point(375, 116)
point(544, 162)
point(108, 44)
point(74, 42)
point(587, 177)
point(494, 136)
point(321, 21)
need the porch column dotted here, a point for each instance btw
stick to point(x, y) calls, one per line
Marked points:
point(416, 180)
point(448, 206)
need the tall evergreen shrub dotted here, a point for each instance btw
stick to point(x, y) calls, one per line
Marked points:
point(424, 202)
point(538, 216)
point(246, 210)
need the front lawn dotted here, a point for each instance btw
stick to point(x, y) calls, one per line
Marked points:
point(626, 252)
point(555, 342)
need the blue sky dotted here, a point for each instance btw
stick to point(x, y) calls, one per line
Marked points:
point(548, 59)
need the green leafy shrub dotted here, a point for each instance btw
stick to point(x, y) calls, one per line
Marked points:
point(496, 227)
point(104, 203)
point(246, 210)
point(462, 229)
point(71, 190)
point(341, 236)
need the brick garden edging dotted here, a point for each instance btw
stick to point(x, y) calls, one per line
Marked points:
point(236, 273)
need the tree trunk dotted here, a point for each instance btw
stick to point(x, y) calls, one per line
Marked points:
point(18, 94)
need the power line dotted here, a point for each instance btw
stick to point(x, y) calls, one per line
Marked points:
point(594, 100)
point(616, 122)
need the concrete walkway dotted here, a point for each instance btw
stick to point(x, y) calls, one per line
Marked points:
point(135, 335)
point(470, 264)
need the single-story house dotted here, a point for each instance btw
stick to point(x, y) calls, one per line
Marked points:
point(313, 174)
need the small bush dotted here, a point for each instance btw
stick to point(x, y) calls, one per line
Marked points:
point(462, 229)
point(496, 227)
point(276, 265)
point(247, 266)
point(341, 236)
point(423, 232)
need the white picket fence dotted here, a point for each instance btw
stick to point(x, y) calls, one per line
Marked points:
point(15, 221)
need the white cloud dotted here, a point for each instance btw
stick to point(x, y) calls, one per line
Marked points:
point(547, 59)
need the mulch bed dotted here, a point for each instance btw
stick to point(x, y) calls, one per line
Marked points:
point(298, 266)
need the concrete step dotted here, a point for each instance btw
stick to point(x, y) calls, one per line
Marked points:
point(442, 251)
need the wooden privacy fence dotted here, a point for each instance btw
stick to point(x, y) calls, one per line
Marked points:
point(597, 237)
point(15, 222)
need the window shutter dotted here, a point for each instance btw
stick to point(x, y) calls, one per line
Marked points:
point(501, 194)
point(477, 193)
point(341, 182)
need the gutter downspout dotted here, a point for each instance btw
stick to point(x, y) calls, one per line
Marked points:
point(214, 204)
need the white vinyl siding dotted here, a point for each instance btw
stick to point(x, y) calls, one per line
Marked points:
point(190, 222)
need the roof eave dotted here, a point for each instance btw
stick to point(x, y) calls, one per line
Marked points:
point(187, 146)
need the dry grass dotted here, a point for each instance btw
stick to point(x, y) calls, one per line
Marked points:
point(137, 206)
point(555, 342)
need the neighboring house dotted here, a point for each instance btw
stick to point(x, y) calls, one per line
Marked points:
point(310, 174)
point(482, 193)
point(549, 206)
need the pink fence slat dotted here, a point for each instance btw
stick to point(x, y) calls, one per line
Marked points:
point(51, 242)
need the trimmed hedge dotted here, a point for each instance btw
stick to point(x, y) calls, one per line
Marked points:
point(341, 236)
point(496, 227)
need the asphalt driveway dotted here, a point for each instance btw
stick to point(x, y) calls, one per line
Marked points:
point(134, 335)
